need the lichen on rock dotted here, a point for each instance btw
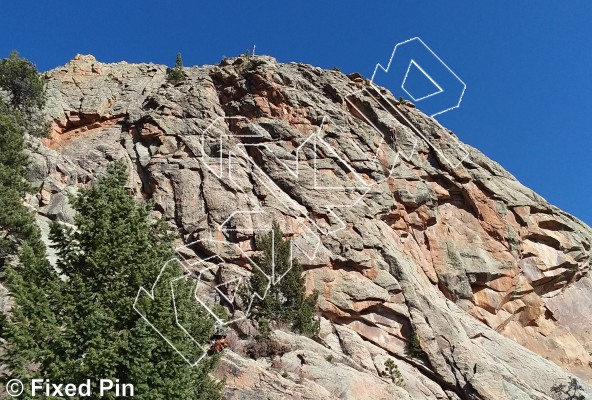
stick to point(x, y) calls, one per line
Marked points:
point(491, 278)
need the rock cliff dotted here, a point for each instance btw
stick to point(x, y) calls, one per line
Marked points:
point(402, 229)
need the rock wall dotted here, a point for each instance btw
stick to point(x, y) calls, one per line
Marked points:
point(399, 226)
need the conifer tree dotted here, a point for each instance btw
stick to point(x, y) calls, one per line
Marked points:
point(92, 330)
point(26, 272)
point(19, 77)
point(285, 300)
point(21, 82)
point(22, 86)
point(75, 321)
point(177, 75)
point(179, 61)
point(16, 223)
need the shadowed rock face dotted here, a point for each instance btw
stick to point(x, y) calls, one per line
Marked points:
point(399, 233)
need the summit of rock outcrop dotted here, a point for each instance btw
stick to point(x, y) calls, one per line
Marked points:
point(402, 229)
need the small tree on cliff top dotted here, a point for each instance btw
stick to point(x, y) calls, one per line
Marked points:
point(23, 87)
point(19, 77)
point(177, 75)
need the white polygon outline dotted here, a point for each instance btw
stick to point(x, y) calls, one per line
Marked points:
point(218, 172)
point(205, 159)
point(273, 280)
point(398, 153)
point(363, 185)
point(315, 137)
point(250, 261)
point(202, 348)
point(152, 297)
point(310, 256)
point(412, 62)
point(388, 66)
point(229, 300)
point(188, 274)
point(218, 169)
point(402, 115)
point(267, 182)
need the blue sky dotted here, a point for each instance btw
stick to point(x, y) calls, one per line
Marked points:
point(527, 64)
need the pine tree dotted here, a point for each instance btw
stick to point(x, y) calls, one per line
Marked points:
point(90, 329)
point(18, 231)
point(20, 80)
point(176, 75)
point(79, 323)
point(285, 301)
point(23, 87)
point(413, 347)
point(19, 77)
point(16, 223)
point(179, 61)
point(26, 272)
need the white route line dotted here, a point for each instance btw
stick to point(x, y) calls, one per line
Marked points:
point(419, 133)
point(219, 170)
point(152, 297)
point(190, 275)
point(266, 181)
point(388, 66)
point(440, 90)
point(402, 115)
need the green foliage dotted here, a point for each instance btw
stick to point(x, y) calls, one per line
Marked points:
point(264, 328)
point(248, 63)
point(81, 324)
point(20, 239)
point(573, 390)
point(27, 274)
point(335, 68)
point(285, 301)
point(413, 348)
point(392, 371)
point(329, 358)
point(221, 312)
point(24, 89)
point(177, 75)
point(16, 221)
point(19, 77)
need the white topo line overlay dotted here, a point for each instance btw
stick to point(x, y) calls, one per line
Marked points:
point(222, 169)
point(191, 275)
point(418, 46)
point(413, 61)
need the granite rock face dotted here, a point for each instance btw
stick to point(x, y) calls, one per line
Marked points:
point(401, 228)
